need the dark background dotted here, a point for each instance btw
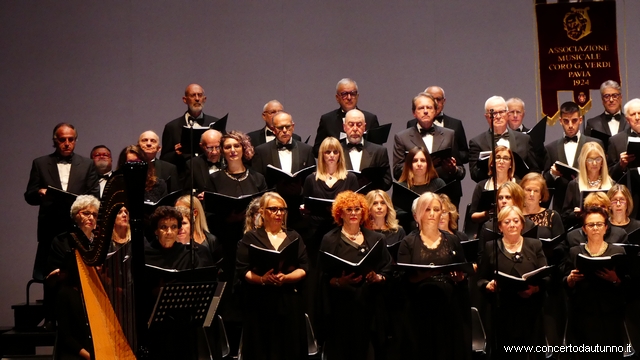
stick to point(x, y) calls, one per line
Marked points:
point(118, 68)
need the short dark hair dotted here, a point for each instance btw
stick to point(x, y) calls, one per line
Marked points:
point(96, 148)
point(595, 210)
point(64, 124)
point(569, 107)
point(163, 212)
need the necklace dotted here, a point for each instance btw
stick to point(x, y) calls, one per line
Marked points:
point(509, 247)
point(601, 251)
point(595, 183)
point(243, 177)
point(349, 236)
point(273, 235)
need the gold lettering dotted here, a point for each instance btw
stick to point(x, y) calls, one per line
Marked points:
point(597, 65)
point(579, 74)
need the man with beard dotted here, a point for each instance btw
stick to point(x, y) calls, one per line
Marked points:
point(205, 164)
point(101, 156)
point(172, 150)
point(149, 142)
point(331, 123)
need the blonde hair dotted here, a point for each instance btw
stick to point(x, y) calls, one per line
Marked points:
point(331, 143)
point(516, 192)
point(453, 212)
point(390, 219)
point(199, 223)
point(253, 211)
point(597, 199)
point(583, 181)
point(264, 200)
point(422, 202)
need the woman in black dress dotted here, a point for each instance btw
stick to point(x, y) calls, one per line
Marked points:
point(548, 221)
point(449, 219)
point(596, 304)
point(418, 173)
point(201, 234)
point(382, 217)
point(621, 208)
point(274, 325)
point(155, 188)
point(505, 172)
point(518, 318)
point(437, 317)
point(353, 305)
point(164, 250)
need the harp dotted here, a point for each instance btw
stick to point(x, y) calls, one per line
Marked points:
point(114, 305)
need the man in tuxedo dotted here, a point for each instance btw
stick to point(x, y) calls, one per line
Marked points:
point(149, 142)
point(566, 150)
point(65, 170)
point(331, 122)
point(205, 164)
point(361, 154)
point(444, 120)
point(610, 122)
point(516, 114)
point(172, 151)
point(101, 156)
point(617, 154)
point(518, 142)
point(267, 133)
point(433, 138)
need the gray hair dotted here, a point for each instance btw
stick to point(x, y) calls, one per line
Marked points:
point(494, 98)
point(83, 201)
point(629, 104)
point(264, 108)
point(609, 84)
point(515, 99)
point(346, 81)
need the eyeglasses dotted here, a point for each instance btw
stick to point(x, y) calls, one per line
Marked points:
point(89, 213)
point(619, 201)
point(212, 148)
point(597, 160)
point(611, 96)
point(498, 113)
point(102, 155)
point(275, 209)
point(345, 94)
point(356, 210)
point(329, 152)
point(284, 127)
point(596, 225)
point(503, 158)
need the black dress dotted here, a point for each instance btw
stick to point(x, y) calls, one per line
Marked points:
point(596, 309)
point(391, 237)
point(527, 330)
point(437, 317)
point(274, 324)
point(353, 314)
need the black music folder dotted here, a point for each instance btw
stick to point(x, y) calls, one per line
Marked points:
point(225, 204)
point(437, 157)
point(602, 137)
point(60, 196)
point(447, 189)
point(633, 147)
point(589, 266)
point(335, 265)
point(487, 200)
point(402, 197)
point(465, 267)
point(283, 261)
point(393, 250)
point(378, 135)
point(167, 200)
point(220, 125)
point(208, 273)
point(538, 133)
point(470, 248)
point(318, 206)
point(276, 175)
point(517, 284)
point(568, 172)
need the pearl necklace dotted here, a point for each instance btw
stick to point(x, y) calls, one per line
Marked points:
point(241, 178)
point(595, 183)
point(351, 237)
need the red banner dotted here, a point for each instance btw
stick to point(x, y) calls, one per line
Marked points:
point(578, 49)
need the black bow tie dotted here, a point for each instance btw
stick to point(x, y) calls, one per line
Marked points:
point(430, 130)
point(282, 146)
point(193, 120)
point(216, 164)
point(501, 136)
point(357, 146)
point(439, 118)
point(571, 139)
point(104, 176)
point(64, 159)
point(610, 116)
point(633, 134)
point(269, 133)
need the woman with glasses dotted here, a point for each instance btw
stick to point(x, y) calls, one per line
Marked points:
point(505, 170)
point(519, 314)
point(418, 173)
point(352, 300)
point(596, 310)
point(621, 207)
point(593, 175)
point(382, 217)
point(448, 333)
point(274, 325)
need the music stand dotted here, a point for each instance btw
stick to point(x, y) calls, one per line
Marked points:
point(179, 314)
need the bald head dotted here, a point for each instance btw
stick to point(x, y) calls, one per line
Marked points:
point(149, 142)
point(194, 98)
point(438, 95)
point(354, 125)
point(269, 110)
point(210, 144)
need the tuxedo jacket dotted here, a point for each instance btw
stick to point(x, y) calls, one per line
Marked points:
point(617, 145)
point(461, 138)
point(202, 180)
point(53, 217)
point(442, 138)
point(331, 125)
point(267, 153)
point(555, 152)
point(169, 173)
point(601, 124)
point(373, 155)
point(519, 143)
point(171, 136)
point(258, 137)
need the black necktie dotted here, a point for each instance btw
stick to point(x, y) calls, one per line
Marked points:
point(571, 139)
point(269, 133)
point(430, 130)
point(610, 116)
point(282, 146)
point(357, 146)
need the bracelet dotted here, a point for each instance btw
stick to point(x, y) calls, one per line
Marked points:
point(262, 280)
